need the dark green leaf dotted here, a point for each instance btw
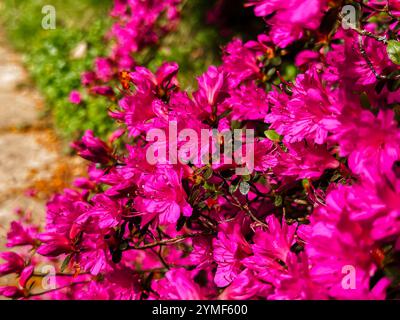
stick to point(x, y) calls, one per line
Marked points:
point(233, 188)
point(208, 173)
point(66, 262)
point(278, 201)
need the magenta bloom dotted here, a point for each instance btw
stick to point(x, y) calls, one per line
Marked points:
point(304, 160)
point(350, 246)
point(21, 236)
point(270, 247)
point(301, 116)
point(54, 244)
point(178, 284)
point(162, 196)
point(92, 148)
point(11, 292)
point(229, 249)
point(241, 61)
point(75, 97)
point(88, 78)
point(14, 263)
point(372, 143)
point(213, 87)
point(291, 18)
point(104, 69)
point(248, 103)
point(246, 286)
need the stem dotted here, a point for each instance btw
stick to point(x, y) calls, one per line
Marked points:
point(365, 32)
point(169, 241)
point(57, 289)
point(60, 274)
point(367, 60)
point(244, 207)
point(247, 210)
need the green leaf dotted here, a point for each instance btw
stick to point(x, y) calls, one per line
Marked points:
point(209, 186)
point(278, 201)
point(273, 135)
point(208, 173)
point(244, 188)
point(233, 188)
point(66, 262)
point(393, 50)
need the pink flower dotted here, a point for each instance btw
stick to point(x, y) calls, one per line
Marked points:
point(160, 82)
point(84, 183)
point(248, 103)
point(119, 284)
point(213, 89)
point(346, 63)
point(291, 18)
point(11, 292)
point(25, 275)
point(54, 244)
point(350, 246)
point(372, 143)
point(139, 111)
point(376, 206)
point(116, 135)
point(306, 57)
point(274, 263)
point(92, 148)
point(14, 263)
point(105, 212)
point(88, 78)
point(162, 195)
point(229, 249)
point(102, 91)
point(75, 97)
point(246, 286)
point(104, 69)
point(301, 116)
point(271, 247)
point(241, 62)
point(21, 236)
point(202, 253)
point(178, 284)
point(304, 160)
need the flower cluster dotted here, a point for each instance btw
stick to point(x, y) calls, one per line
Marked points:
point(140, 25)
point(318, 218)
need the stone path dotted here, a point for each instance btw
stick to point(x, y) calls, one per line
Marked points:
point(29, 152)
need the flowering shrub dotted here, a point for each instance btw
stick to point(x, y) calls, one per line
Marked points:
point(315, 213)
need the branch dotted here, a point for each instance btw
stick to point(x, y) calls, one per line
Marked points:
point(169, 241)
point(247, 210)
point(365, 32)
point(57, 289)
point(367, 60)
